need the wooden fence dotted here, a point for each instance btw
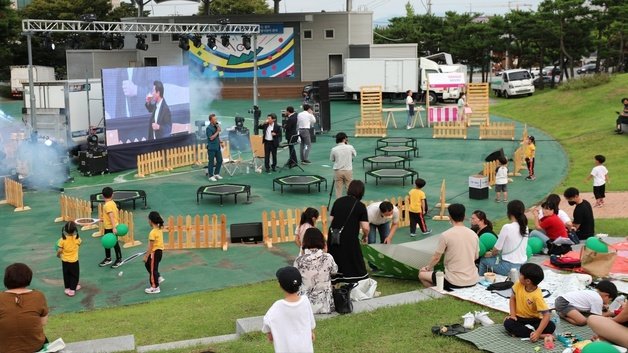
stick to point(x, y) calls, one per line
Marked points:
point(187, 232)
point(125, 217)
point(150, 163)
point(73, 208)
point(178, 157)
point(14, 195)
point(450, 129)
point(371, 122)
point(441, 205)
point(518, 161)
point(489, 169)
point(497, 131)
point(279, 226)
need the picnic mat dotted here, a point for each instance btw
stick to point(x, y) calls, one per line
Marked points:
point(618, 270)
point(557, 284)
point(494, 338)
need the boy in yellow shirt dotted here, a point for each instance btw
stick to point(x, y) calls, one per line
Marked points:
point(68, 252)
point(527, 306)
point(152, 258)
point(418, 207)
point(110, 220)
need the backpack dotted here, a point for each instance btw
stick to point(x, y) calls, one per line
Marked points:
point(565, 261)
point(553, 249)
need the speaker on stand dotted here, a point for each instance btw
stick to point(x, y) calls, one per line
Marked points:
point(322, 105)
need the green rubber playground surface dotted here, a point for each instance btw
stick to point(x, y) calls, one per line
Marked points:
point(30, 236)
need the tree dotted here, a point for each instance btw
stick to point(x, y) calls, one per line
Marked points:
point(9, 35)
point(233, 7)
point(123, 11)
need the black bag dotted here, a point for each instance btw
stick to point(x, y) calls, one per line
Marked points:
point(573, 236)
point(553, 249)
point(565, 261)
point(342, 299)
point(335, 232)
point(500, 286)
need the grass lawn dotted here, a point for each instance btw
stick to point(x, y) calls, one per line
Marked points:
point(582, 121)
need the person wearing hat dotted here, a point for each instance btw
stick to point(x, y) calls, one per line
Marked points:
point(289, 323)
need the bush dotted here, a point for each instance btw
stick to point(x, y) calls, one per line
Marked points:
point(585, 82)
point(5, 91)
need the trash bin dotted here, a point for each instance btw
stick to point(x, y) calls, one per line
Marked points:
point(478, 187)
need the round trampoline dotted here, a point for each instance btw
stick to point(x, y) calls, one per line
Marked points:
point(387, 173)
point(306, 180)
point(120, 196)
point(224, 190)
point(404, 150)
point(396, 161)
point(404, 141)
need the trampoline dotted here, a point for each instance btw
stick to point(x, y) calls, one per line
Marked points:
point(398, 141)
point(224, 190)
point(404, 150)
point(387, 173)
point(396, 161)
point(120, 196)
point(307, 180)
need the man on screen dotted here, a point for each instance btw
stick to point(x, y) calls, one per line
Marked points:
point(160, 121)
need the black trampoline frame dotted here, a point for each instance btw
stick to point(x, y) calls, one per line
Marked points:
point(246, 189)
point(409, 173)
point(141, 195)
point(395, 164)
point(410, 149)
point(309, 185)
point(409, 141)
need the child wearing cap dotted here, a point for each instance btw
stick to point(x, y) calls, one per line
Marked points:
point(574, 305)
point(289, 323)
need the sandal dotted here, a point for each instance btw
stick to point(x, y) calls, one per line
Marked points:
point(449, 330)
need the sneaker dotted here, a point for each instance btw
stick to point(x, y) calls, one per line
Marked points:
point(78, 287)
point(152, 290)
point(306, 162)
point(212, 178)
point(117, 264)
point(70, 293)
point(481, 317)
point(408, 127)
point(217, 176)
point(412, 235)
point(429, 231)
point(469, 320)
point(161, 279)
point(105, 262)
point(528, 178)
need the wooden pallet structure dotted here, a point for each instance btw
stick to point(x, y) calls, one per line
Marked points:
point(441, 205)
point(14, 195)
point(449, 130)
point(519, 157)
point(477, 100)
point(371, 123)
point(497, 131)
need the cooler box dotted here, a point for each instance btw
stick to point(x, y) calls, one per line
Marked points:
point(478, 187)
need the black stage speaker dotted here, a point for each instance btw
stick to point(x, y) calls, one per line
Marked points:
point(323, 90)
point(324, 115)
point(495, 155)
point(93, 162)
point(246, 232)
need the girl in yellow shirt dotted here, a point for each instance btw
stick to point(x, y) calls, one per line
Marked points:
point(152, 258)
point(68, 252)
point(530, 153)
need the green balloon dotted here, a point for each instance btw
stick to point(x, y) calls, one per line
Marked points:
point(536, 244)
point(595, 244)
point(489, 240)
point(122, 229)
point(483, 249)
point(599, 347)
point(529, 252)
point(108, 240)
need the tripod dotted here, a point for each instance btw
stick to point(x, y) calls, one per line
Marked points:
point(291, 162)
point(331, 191)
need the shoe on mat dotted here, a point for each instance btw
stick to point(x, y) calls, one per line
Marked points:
point(412, 235)
point(105, 262)
point(481, 317)
point(306, 162)
point(152, 290)
point(161, 279)
point(469, 321)
point(429, 231)
point(117, 264)
point(217, 176)
point(212, 178)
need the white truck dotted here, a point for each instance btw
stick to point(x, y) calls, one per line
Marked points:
point(453, 93)
point(394, 75)
point(19, 76)
point(513, 83)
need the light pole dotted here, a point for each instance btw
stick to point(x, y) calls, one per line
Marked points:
point(31, 85)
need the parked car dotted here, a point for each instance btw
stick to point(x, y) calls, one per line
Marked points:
point(535, 71)
point(587, 69)
point(336, 84)
point(548, 70)
point(547, 81)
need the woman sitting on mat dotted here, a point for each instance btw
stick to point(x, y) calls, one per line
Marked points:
point(480, 223)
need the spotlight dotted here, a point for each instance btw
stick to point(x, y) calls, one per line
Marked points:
point(225, 40)
point(196, 40)
point(184, 43)
point(106, 41)
point(48, 43)
point(239, 122)
point(211, 41)
point(141, 42)
point(117, 41)
point(74, 42)
point(246, 42)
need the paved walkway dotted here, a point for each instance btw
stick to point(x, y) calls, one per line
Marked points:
point(615, 205)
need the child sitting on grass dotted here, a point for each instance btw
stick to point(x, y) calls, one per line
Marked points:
point(289, 323)
point(573, 306)
point(527, 307)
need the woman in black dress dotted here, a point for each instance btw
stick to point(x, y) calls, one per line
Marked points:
point(350, 212)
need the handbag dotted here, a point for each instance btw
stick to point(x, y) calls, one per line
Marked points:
point(342, 299)
point(595, 263)
point(335, 232)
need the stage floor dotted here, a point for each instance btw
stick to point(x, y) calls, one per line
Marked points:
point(30, 236)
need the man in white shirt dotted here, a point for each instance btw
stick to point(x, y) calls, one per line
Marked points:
point(342, 156)
point(410, 108)
point(383, 217)
point(305, 120)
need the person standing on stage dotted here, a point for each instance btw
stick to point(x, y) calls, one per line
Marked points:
point(271, 133)
point(305, 119)
point(291, 131)
point(342, 156)
point(213, 148)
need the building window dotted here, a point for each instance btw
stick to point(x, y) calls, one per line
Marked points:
point(329, 34)
point(150, 61)
point(174, 37)
point(154, 38)
point(307, 34)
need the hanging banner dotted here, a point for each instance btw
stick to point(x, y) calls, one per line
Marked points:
point(446, 80)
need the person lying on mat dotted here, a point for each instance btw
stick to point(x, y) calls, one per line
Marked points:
point(573, 306)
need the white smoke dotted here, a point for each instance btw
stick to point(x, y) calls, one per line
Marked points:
point(203, 92)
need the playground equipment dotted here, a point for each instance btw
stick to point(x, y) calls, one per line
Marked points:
point(371, 123)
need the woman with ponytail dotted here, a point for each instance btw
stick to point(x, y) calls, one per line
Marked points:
point(152, 258)
point(510, 250)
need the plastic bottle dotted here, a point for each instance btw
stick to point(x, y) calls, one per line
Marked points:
point(440, 280)
point(514, 275)
point(557, 332)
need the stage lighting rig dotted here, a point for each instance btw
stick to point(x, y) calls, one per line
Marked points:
point(141, 42)
point(225, 40)
point(211, 41)
point(246, 41)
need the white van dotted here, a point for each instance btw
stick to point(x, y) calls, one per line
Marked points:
point(513, 83)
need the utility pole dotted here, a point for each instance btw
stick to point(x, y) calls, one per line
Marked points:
point(429, 7)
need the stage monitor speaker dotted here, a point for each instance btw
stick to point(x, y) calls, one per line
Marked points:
point(323, 90)
point(495, 155)
point(246, 232)
point(324, 111)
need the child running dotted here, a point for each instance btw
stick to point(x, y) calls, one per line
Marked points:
point(530, 154)
point(418, 207)
point(68, 252)
point(501, 181)
point(110, 221)
point(152, 258)
point(599, 173)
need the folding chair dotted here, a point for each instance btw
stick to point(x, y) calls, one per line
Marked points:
point(230, 163)
point(257, 146)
